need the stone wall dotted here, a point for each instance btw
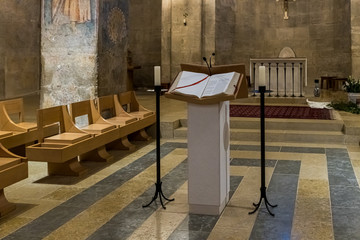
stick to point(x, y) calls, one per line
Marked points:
point(69, 56)
point(19, 47)
point(145, 40)
point(355, 38)
point(318, 30)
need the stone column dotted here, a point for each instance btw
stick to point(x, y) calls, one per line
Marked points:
point(186, 43)
point(68, 54)
point(355, 37)
point(208, 29)
point(166, 41)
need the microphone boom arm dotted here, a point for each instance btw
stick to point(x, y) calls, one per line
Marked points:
point(205, 60)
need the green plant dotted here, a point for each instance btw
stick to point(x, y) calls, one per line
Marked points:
point(352, 85)
point(345, 106)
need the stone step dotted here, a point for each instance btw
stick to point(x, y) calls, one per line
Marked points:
point(283, 124)
point(301, 136)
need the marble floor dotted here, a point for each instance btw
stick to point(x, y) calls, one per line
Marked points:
point(316, 188)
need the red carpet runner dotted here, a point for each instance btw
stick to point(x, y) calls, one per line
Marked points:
point(280, 112)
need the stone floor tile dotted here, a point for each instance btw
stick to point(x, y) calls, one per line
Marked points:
point(230, 234)
point(346, 223)
point(309, 188)
point(312, 230)
point(160, 225)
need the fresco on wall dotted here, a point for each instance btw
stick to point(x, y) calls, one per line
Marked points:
point(113, 44)
point(78, 11)
point(69, 51)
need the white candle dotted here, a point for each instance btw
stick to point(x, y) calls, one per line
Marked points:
point(157, 78)
point(262, 76)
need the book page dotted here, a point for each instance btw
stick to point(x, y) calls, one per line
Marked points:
point(232, 87)
point(218, 83)
point(190, 83)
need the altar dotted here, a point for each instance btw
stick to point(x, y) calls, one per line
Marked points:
point(285, 77)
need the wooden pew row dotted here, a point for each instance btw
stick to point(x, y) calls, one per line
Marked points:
point(16, 132)
point(13, 169)
point(61, 151)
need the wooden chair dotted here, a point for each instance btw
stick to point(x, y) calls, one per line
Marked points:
point(338, 83)
point(95, 125)
point(131, 105)
point(13, 169)
point(327, 81)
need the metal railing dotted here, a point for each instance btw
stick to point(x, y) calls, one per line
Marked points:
point(285, 77)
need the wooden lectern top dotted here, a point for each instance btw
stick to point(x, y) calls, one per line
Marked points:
point(241, 89)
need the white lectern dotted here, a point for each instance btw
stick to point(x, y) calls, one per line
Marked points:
point(208, 157)
point(209, 144)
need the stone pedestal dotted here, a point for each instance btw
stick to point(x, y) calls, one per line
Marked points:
point(208, 157)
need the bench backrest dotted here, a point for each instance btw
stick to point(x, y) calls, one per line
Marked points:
point(47, 116)
point(106, 106)
point(15, 107)
point(128, 101)
point(82, 108)
point(53, 115)
point(85, 108)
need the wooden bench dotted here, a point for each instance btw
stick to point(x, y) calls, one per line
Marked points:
point(13, 169)
point(61, 150)
point(14, 131)
point(85, 111)
point(131, 105)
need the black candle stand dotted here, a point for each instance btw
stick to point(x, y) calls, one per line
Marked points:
point(263, 187)
point(158, 191)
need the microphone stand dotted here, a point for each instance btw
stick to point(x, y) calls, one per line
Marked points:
point(207, 64)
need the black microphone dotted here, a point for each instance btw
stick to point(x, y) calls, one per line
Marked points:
point(213, 54)
point(204, 58)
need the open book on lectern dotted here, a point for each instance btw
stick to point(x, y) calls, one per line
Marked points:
point(201, 85)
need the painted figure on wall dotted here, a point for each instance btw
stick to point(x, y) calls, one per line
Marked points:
point(75, 11)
